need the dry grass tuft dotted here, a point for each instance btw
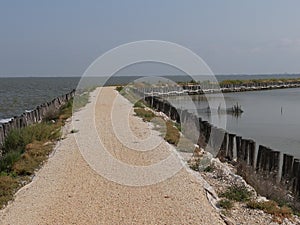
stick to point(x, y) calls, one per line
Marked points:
point(272, 208)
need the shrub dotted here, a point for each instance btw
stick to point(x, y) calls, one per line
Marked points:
point(8, 160)
point(237, 193)
point(225, 204)
point(119, 88)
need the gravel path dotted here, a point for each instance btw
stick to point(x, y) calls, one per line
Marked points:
point(68, 191)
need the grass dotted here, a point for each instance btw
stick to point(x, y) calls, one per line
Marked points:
point(237, 193)
point(8, 185)
point(172, 134)
point(271, 207)
point(168, 128)
point(139, 104)
point(24, 151)
point(146, 115)
point(81, 100)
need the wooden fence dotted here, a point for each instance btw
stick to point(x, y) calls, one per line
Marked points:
point(258, 162)
point(34, 116)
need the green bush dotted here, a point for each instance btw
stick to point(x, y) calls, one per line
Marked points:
point(7, 161)
point(237, 193)
point(119, 88)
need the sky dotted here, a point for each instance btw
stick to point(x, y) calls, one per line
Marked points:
point(63, 37)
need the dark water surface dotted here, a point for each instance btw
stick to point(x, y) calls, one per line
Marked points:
point(20, 94)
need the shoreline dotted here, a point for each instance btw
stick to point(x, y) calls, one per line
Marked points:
point(223, 172)
point(67, 190)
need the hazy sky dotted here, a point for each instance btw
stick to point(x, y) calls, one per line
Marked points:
point(62, 37)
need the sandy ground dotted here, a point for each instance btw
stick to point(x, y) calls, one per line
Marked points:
point(67, 190)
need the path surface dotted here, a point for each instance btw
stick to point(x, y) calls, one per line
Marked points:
point(67, 191)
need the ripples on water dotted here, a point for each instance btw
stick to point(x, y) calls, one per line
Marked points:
point(20, 94)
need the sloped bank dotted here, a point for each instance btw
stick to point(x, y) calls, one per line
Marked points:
point(34, 116)
point(260, 170)
point(26, 142)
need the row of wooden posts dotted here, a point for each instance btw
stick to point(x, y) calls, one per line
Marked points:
point(34, 116)
point(260, 161)
point(194, 89)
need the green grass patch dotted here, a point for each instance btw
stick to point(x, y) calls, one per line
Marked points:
point(237, 193)
point(146, 115)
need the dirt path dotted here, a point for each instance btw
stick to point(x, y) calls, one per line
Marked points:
point(68, 191)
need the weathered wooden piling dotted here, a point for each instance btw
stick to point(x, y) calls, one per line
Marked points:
point(287, 167)
point(230, 145)
point(222, 155)
point(33, 116)
point(251, 149)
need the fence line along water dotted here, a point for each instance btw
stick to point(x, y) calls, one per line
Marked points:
point(259, 165)
point(213, 87)
point(33, 116)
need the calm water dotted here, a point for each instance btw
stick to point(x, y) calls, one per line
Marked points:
point(262, 119)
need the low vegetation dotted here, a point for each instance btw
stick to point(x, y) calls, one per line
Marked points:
point(255, 81)
point(225, 204)
point(146, 115)
point(167, 128)
point(271, 207)
point(237, 193)
point(24, 150)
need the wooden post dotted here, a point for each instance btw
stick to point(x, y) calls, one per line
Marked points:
point(223, 149)
point(287, 167)
point(244, 154)
point(238, 141)
point(230, 145)
point(259, 158)
point(294, 175)
point(251, 149)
